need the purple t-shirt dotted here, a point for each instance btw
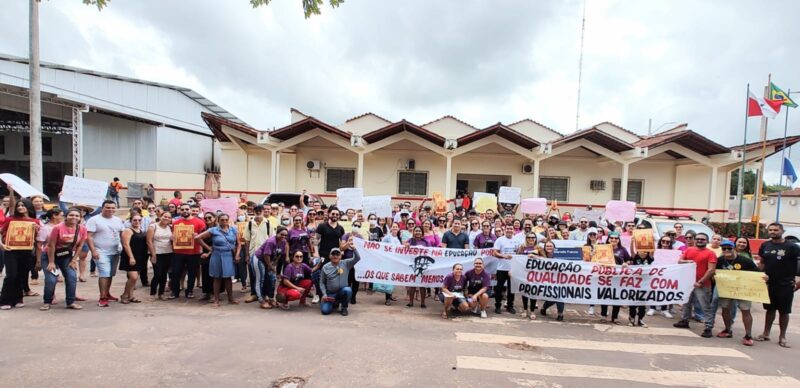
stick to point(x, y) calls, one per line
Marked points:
point(298, 240)
point(297, 273)
point(433, 240)
point(418, 243)
point(271, 248)
point(453, 285)
point(475, 281)
point(483, 241)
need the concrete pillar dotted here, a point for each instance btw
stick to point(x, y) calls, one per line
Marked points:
point(536, 166)
point(623, 188)
point(448, 177)
point(273, 185)
point(712, 190)
point(360, 171)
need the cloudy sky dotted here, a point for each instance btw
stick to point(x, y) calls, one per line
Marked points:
point(481, 61)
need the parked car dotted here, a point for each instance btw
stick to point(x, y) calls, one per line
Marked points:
point(661, 222)
point(290, 199)
point(792, 234)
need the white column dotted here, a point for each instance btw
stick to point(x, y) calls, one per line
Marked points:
point(623, 188)
point(278, 170)
point(536, 164)
point(448, 177)
point(273, 185)
point(360, 171)
point(712, 190)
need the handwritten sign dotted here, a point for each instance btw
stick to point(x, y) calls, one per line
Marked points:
point(620, 211)
point(509, 194)
point(534, 206)
point(666, 256)
point(742, 285)
point(227, 206)
point(83, 191)
point(380, 205)
point(643, 240)
point(349, 198)
point(22, 188)
point(484, 201)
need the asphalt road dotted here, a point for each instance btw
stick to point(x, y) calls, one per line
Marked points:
point(187, 343)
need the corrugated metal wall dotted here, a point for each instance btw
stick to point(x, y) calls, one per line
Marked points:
point(114, 143)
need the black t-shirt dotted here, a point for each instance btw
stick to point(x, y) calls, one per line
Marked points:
point(376, 234)
point(780, 262)
point(329, 238)
point(739, 263)
point(451, 240)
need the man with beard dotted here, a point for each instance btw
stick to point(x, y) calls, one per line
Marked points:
point(706, 263)
point(779, 260)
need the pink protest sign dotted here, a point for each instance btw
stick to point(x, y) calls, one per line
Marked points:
point(534, 206)
point(228, 206)
point(620, 211)
point(666, 256)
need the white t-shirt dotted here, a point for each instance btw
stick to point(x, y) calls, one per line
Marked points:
point(506, 246)
point(106, 234)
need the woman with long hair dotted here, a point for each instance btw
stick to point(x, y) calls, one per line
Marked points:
point(63, 248)
point(441, 226)
point(50, 218)
point(531, 248)
point(429, 234)
point(134, 253)
point(743, 248)
point(621, 256)
point(636, 313)
point(453, 291)
point(295, 281)
point(225, 251)
point(207, 283)
point(159, 244)
point(417, 240)
point(273, 256)
point(18, 261)
point(548, 251)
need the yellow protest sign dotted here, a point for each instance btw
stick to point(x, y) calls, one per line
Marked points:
point(347, 225)
point(644, 240)
point(485, 201)
point(743, 285)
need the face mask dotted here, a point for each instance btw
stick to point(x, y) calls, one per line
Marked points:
point(539, 222)
point(357, 230)
point(241, 218)
point(373, 222)
point(285, 222)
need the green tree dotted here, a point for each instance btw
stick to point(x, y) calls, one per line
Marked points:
point(749, 182)
point(310, 7)
point(775, 188)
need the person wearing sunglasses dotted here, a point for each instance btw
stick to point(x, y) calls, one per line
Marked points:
point(665, 242)
point(531, 248)
point(621, 256)
point(636, 313)
point(255, 233)
point(295, 282)
point(732, 261)
point(548, 252)
point(706, 263)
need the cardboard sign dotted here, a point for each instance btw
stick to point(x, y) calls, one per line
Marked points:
point(440, 203)
point(240, 226)
point(227, 206)
point(534, 206)
point(183, 236)
point(349, 198)
point(135, 190)
point(742, 285)
point(83, 191)
point(603, 254)
point(380, 205)
point(624, 211)
point(644, 240)
point(666, 256)
point(509, 194)
point(591, 215)
point(20, 236)
point(484, 202)
point(21, 187)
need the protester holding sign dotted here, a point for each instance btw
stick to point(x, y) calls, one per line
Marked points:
point(17, 231)
point(159, 244)
point(731, 261)
point(779, 260)
point(641, 258)
point(621, 256)
point(705, 262)
point(186, 258)
point(548, 252)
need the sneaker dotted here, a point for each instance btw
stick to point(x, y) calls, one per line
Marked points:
point(102, 303)
point(667, 314)
point(112, 298)
point(75, 306)
point(353, 300)
point(44, 307)
point(250, 299)
point(747, 341)
point(650, 312)
point(498, 311)
point(475, 310)
point(344, 312)
point(315, 300)
point(483, 314)
point(706, 333)
point(206, 297)
point(511, 310)
point(5, 307)
point(19, 305)
point(641, 323)
point(590, 311)
point(681, 324)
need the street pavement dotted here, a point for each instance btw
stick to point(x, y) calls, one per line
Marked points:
point(183, 343)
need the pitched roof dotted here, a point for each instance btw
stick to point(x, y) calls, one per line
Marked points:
point(787, 193)
point(599, 137)
point(449, 117)
point(687, 138)
point(305, 125)
point(400, 126)
point(366, 114)
point(777, 143)
point(502, 131)
point(215, 124)
point(537, 123)
point(618, 126)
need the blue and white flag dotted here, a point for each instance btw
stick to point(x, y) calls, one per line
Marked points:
point(788, 170)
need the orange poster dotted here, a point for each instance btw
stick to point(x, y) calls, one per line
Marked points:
point(183, 236)
point(643, 240)
point(603, 254)
point(440, 202)
point(240, 226)
point(19, 235)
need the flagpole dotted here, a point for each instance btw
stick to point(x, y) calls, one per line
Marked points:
point(744, 161)
point(759, 182)
point(783, 159)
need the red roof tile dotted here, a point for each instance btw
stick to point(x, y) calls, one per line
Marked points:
point(787, 193)
point(215, 124)
point(688, 138)
point(502, 131)
point(777, 143)
point(400, 126)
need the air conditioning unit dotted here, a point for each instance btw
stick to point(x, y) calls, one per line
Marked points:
point(792, 202)
point(314, 165)
point(597, 185)
point(527, 168)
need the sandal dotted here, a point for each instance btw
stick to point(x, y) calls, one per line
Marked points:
point(134, 300)
point(266, 306)
point(31, 293)
point(444, 316)
point(762, 338)
point(44, 307)
point(75, 306)
point(82, 279)
point(409, 304)
point(124, 301)
point(215, 305)
point(422, 306)
point(233, 301)
point(782, 343)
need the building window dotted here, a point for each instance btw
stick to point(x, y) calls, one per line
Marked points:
point(47, 145)
point(413, 183)
point(337, 178)
point(554, 188)
point(635, 190)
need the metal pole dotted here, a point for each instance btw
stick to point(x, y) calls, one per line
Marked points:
point(580, 69)
point(783, 160)
point(35, 111)
point(759, 182)
point(744, 161)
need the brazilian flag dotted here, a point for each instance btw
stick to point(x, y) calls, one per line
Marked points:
point(775, 93)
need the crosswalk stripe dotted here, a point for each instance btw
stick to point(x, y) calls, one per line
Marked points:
point(661, 377)
point(618, 329)
point(563, 343)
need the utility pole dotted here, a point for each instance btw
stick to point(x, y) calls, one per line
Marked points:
point(35, 111)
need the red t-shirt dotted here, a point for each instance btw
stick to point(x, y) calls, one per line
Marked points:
point(64, 236)
point(7, 220)
point(175, 201)
point(199, 227)
point(701, 258)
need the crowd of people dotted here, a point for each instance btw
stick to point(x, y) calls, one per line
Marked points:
point(283, 253)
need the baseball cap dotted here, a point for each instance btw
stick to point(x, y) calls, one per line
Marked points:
point(727, 243)
point(335, 251)
point(592, 230)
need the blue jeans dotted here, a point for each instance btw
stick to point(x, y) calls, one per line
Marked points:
point(701, 295)
point(262, 283)
point(50, 280)
point(698, 311)
point(341, 297)
point(715, 306)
